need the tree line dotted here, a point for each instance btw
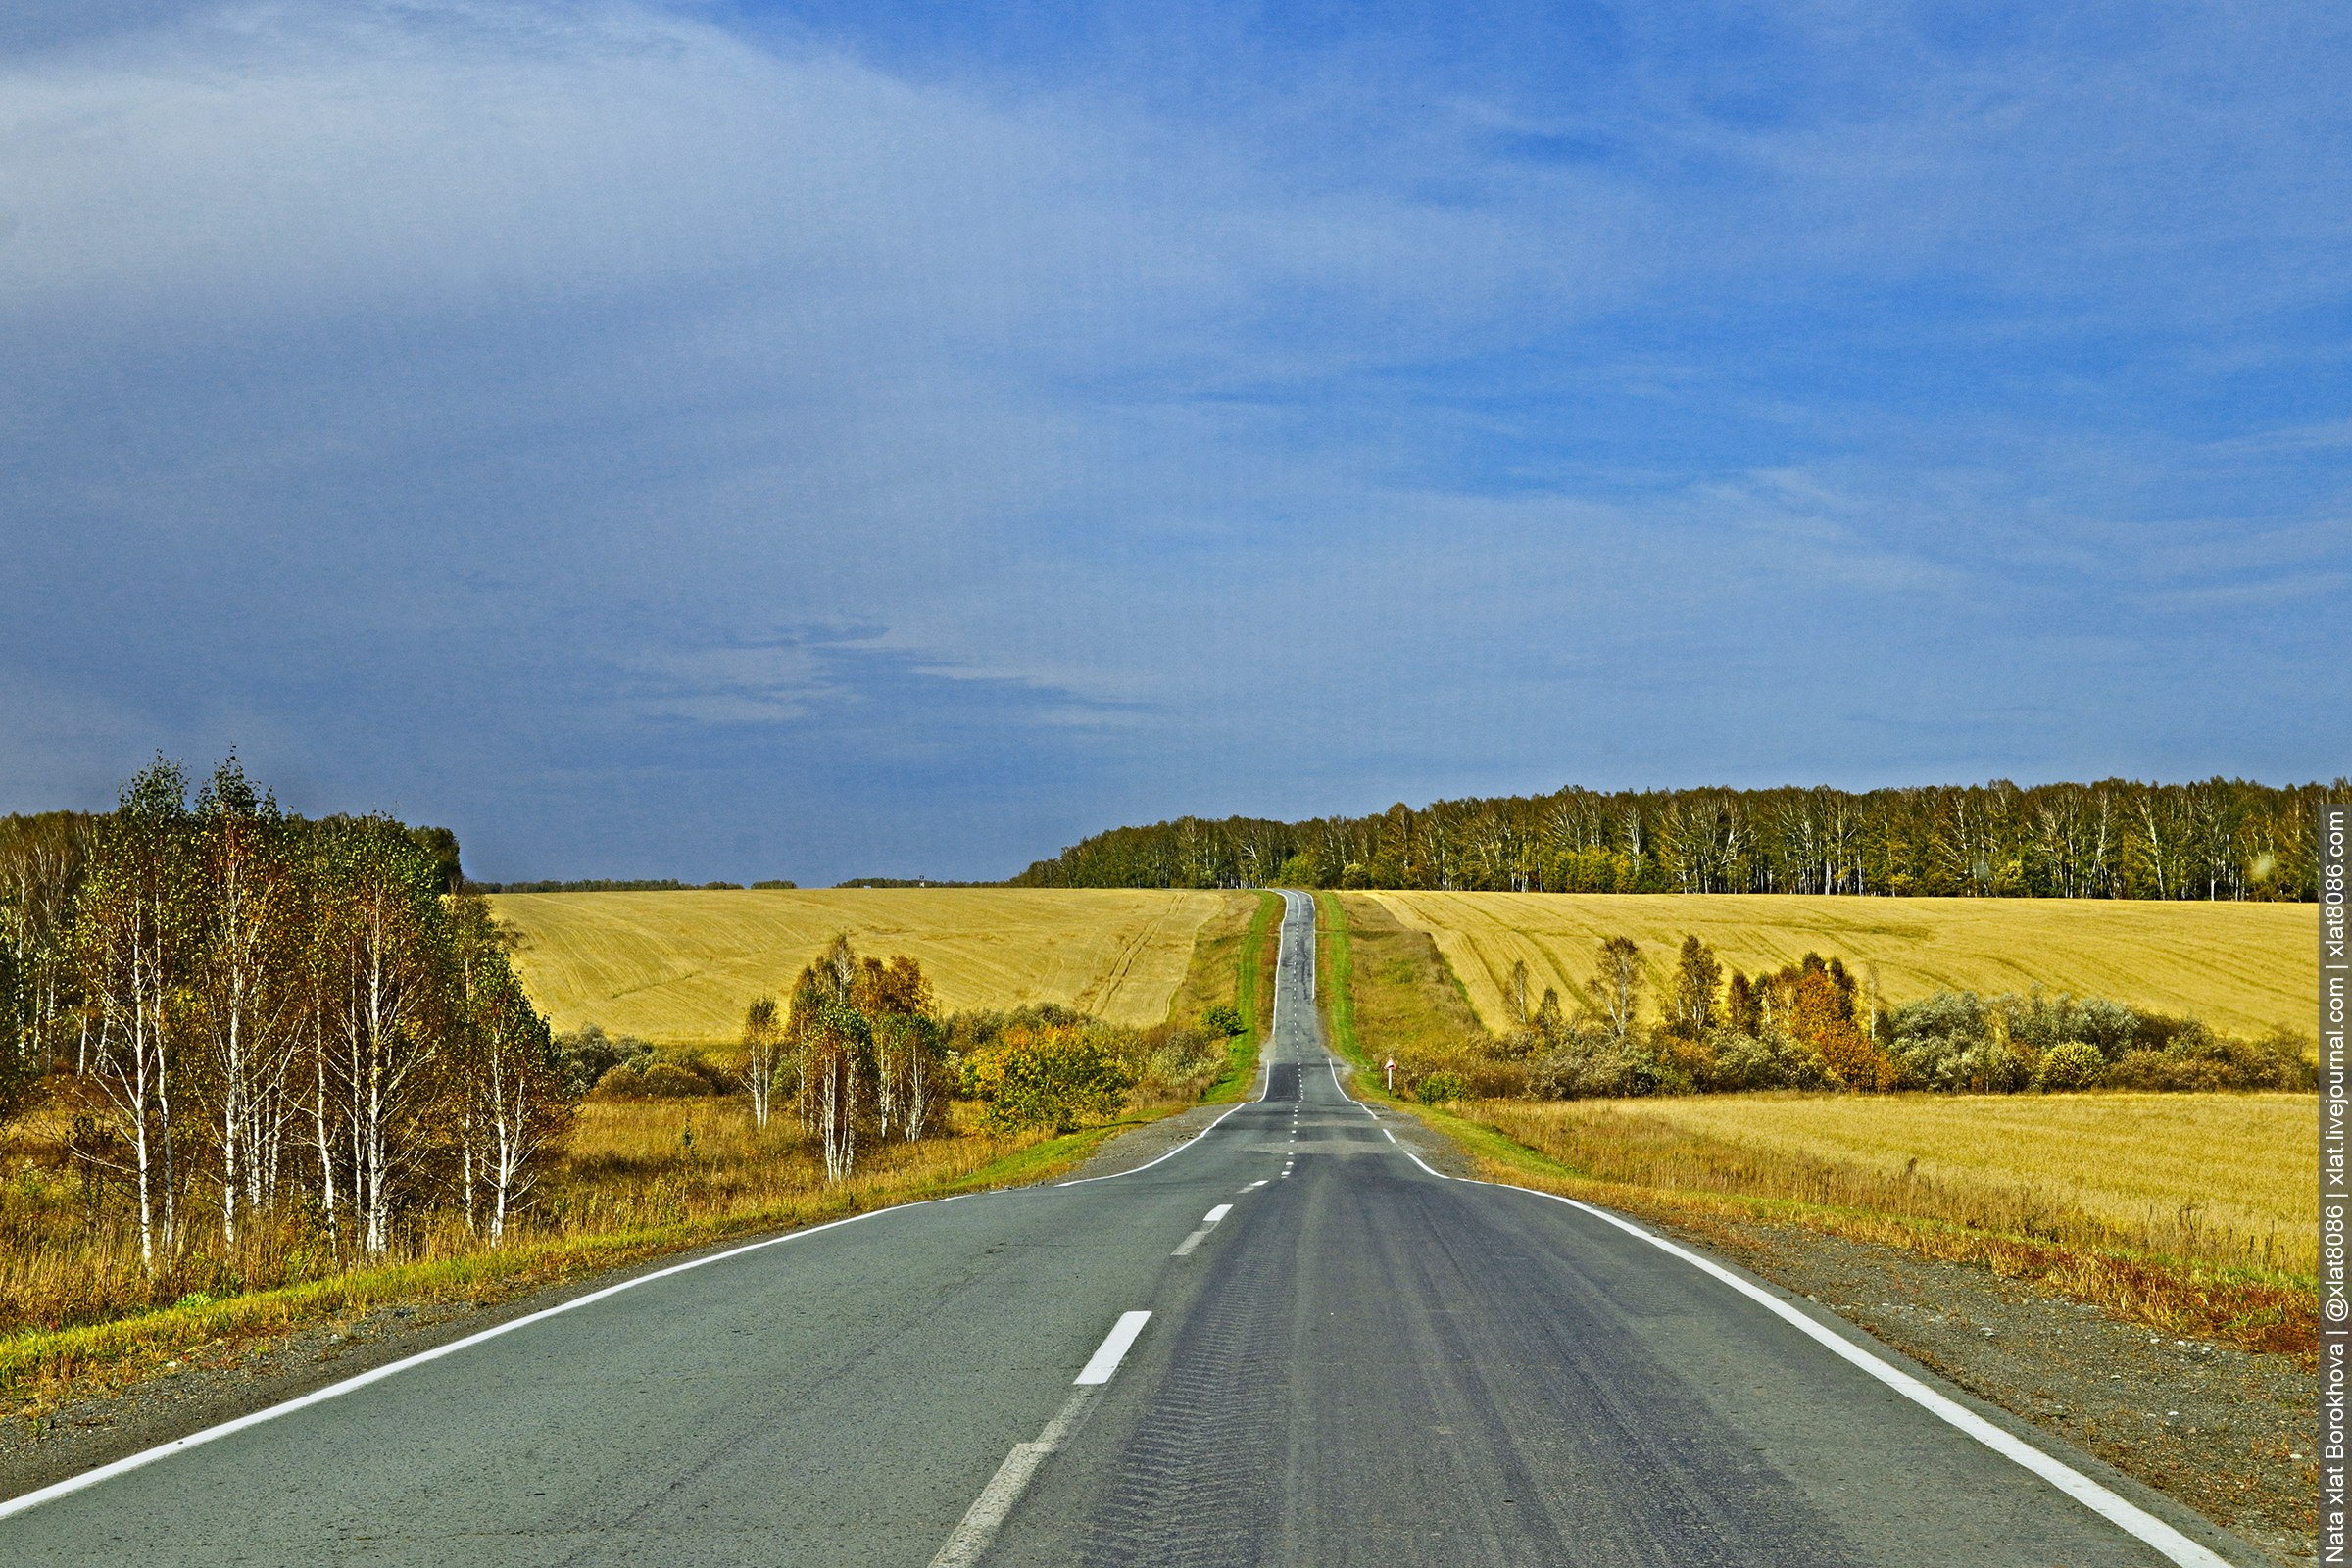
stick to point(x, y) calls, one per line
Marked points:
point(252, 1015)
point(2116, 838)
point(1816, 1025)
point(606, 885)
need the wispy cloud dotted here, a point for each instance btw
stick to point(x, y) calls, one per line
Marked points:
point(1474, 401)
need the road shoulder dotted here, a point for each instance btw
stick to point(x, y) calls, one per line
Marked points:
point(2223, 1432)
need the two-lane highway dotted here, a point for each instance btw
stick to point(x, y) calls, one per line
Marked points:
point(1346, 1358)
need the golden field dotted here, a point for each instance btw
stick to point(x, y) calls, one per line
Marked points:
point(2195, 1175)
point(681, 965)
point(2241, 968)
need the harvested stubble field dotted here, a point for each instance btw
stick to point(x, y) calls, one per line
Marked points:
point(681, 965)
point(2240, 968)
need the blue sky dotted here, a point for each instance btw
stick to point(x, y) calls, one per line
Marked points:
point(728, 441)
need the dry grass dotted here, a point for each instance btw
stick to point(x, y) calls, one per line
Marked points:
point(630, 1166)
point(2257, 1310)
point(1219, 944)
point(680, 966)
point(1398, 994)
point(2222, 1179)
point(639, 1179)
point(2241, 968)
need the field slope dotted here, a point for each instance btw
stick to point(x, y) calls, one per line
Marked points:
point(680, 966)
point(2241, 968)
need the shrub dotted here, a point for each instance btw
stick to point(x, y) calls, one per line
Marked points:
point(1439, 1088)
point(1496, 1080)
point(589, 1055)
point(1595, 1065)
point(622, 1081)
point(2195, 1058)
point(1771, 1060)
point(1856, 1061)
point(1221, 1019)
point(2075, 1065)
point(1055, 1077)
point(668, 1080)
point(1173, 1059)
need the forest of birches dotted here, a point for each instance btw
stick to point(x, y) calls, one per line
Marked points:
point(257, 1023)
point(2222, 839)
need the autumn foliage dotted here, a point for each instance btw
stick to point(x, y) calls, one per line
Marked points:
point(1047, 1076)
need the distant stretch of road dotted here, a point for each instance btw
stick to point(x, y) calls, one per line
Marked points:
point(1287, 1343)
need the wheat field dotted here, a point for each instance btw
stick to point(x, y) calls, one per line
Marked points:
point(2241, 968)
point(681, 965)
point(2228, 1165)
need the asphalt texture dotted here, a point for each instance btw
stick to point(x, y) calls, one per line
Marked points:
point(1359, 1362)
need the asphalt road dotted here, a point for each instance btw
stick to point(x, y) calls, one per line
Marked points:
point(1358, 1361)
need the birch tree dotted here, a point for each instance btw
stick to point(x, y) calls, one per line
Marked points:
point(1614, 992)
point(762, 1034)
point(386, 1027)
point(132, 939)
point(510, 1084)
point(246, 991)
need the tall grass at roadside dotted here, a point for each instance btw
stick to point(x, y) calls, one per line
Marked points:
point(2179, 1211)
point(637, 1178)
point(1254, 983)
point(1398, 996)
point(641, 1178)
point(2205, 1178)
point(2166, 1268)
point(1335, 976)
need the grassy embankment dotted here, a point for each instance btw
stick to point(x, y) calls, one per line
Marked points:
point(638, 1179)
point(2181, 1211)
point(1233, 962)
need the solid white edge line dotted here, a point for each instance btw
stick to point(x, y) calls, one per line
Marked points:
point(195, 1439)
point(2129, 1517)
point(1113, 1348)
point(2125, 1515)
point(1264, 1082)
point(1170, 1154)
point(1217, 1213)
point(2116, 1510)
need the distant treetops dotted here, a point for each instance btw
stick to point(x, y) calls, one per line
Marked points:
point(2118, 839)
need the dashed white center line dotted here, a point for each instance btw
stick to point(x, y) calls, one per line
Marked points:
point(1113, 1347)
point(1208, 1222)
point(978, 1527)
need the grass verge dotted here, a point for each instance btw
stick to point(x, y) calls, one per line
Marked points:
point(1252, 977)
point(1335, 981)
point(2254, 1309)
point(39, 1368)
